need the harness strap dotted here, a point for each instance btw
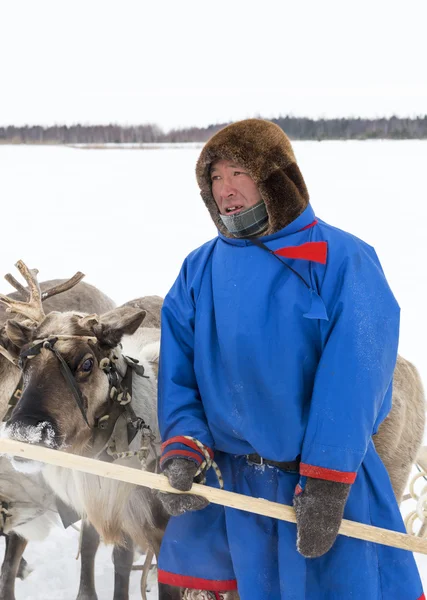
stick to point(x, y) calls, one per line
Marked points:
point(104, 431)
point(119, 426)
point(69, 377)
point(14, 399)
point(49, 344)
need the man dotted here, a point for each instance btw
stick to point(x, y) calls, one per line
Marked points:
point(279, 340)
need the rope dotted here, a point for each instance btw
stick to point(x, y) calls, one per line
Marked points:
point(147, 442)
point(207, 463)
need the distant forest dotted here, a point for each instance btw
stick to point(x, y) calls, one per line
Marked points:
point(297, 128)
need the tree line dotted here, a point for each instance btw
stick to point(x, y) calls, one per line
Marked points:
point(297, 128)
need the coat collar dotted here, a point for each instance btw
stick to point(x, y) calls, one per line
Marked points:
point(305, 218)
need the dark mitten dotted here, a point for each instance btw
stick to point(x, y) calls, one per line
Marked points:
point(180, 473)
point(319, 510)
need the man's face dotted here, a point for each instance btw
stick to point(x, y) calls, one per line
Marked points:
point(232, 187)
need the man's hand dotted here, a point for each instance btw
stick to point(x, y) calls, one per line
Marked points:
point(180, 473)
point(319, 511)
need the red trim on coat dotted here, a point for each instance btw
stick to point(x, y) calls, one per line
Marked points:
point(328, 474)
point(298, 490)
point(178, 453)
point(308, 226)
point(180, 439)
point(196, 583)
point(422, 597)
point(314, 251)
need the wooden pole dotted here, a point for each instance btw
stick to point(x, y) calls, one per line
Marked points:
point(230, 499)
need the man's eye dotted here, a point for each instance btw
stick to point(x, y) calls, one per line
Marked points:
point(87, 365)
point(214, 177)
point(239, 173)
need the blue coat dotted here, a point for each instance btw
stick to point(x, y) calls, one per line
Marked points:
point(284, 362)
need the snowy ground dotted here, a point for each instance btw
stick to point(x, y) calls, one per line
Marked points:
point(128, 219)
point(56, 571)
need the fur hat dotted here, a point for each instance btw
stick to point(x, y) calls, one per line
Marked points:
point(264, 150)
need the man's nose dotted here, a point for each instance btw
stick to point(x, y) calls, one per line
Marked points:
point(227, 191)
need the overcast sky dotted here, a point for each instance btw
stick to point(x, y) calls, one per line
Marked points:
point(196, 62)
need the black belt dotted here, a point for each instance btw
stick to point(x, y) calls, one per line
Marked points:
point(292, 465)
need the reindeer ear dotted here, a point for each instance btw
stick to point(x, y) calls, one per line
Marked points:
point(18, 333)
point(89, 321)
point(7, 349)
point(118, 322)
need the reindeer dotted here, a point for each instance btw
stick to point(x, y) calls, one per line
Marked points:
point(99, 389)
point(93, 347)
point(30, 509)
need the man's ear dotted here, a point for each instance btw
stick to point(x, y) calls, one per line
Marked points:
point(18, 333)
point(116, 323)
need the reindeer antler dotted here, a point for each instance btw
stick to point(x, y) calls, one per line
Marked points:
point(18, 287)
point(32, 308)
point(63, 287)
point(53, 291)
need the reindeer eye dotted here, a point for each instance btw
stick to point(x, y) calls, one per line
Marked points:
point(86, 366)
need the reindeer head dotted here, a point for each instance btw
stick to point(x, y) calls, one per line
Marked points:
point(61, 356)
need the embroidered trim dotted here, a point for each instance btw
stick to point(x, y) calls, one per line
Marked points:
point(196, 583)
point(178, 453)
point(328, 474)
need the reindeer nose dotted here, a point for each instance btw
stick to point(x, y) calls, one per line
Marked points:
point(33, 429)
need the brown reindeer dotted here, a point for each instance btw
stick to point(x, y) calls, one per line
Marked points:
point(31, 507)
point(81, 403)
point(88, 344)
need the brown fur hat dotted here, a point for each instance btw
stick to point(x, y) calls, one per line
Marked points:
point(264, 150)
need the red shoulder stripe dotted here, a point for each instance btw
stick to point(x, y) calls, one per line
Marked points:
point(308, 226)
point(315, 251)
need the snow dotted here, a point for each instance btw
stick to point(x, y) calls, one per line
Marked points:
point(128, 219)
point(56, 571)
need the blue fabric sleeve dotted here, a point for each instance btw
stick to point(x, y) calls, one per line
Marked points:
point(180, 407)
point(353, 383)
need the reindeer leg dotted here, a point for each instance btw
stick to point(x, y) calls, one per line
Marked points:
point(89, 547)
point(154, 536)
point(15, 546)
point(123, 560)
point(24, 570)
point(167, 592)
